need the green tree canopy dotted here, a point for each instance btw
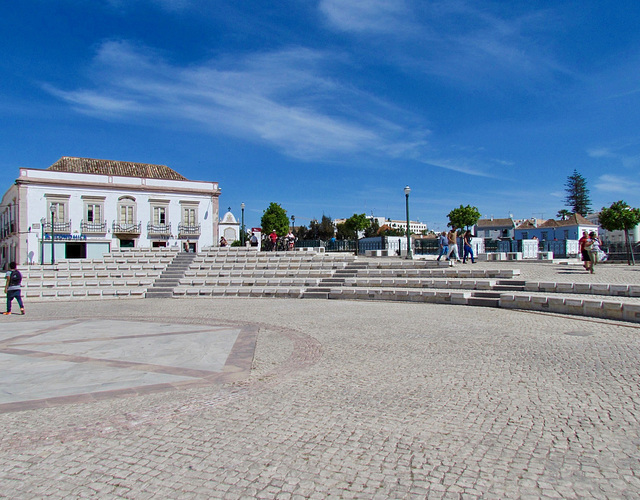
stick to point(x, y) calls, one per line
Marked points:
point(577, 194)
point(620, 217)
point(356, 223)
point(275, 219)
point(463, 216)
point(564, 214)
point(326, 229)
point(373, 229)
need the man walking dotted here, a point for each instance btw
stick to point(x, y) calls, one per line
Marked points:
point(12, 288)
point(452, 237)
point(443, 242)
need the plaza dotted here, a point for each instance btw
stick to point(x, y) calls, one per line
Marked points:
point(289, 398)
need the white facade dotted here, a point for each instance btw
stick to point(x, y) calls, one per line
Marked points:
point(229, 227)
point(414, 226)
point(93, 213)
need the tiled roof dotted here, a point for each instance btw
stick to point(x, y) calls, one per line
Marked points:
point(119, 168)
point(574, 220)
point(485, 223)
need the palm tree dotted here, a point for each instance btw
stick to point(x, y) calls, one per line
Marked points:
point(564, 214)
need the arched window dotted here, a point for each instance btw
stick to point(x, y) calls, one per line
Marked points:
point(126, 210)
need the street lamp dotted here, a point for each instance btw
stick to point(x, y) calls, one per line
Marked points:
point(53, 234)
point(407, 190)
point(242, 233)
point(293, 223)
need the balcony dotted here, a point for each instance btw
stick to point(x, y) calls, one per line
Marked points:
point(58, 227)
point(93, 227)
point(158, 230)
point(188, 231)
point(126, 229)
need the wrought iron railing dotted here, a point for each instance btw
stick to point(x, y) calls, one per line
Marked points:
point(185, 230)
point(124, 228)
point(93, 227)
point(58, 227)
point(159, 229)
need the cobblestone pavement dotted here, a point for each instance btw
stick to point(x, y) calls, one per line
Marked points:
point(352, 400)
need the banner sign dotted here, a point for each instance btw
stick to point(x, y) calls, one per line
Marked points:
point(61, 237)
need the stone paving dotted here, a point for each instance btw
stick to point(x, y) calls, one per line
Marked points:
point(342, 400)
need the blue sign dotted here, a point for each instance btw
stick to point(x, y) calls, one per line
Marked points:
point(47, 236)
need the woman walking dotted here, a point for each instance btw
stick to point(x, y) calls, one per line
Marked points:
point(467, 248)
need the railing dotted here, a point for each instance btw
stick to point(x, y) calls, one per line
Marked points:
point(188, 230)
point(618, 251)
point(341, 246)
point(122, 228)
point(159, 229)
point(93, 227)
point(426, 246)
point(58, 227)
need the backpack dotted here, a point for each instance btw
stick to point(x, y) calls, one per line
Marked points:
point(16, 278)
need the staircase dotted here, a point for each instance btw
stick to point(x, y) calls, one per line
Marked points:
point(338, 279)
point(170, 278)
point(492, 298)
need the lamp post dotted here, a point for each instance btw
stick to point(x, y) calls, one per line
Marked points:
point(242, 229)
point(407, 190)
point(53, 234)
point(293, 223)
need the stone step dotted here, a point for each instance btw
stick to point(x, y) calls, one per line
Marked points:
point(486, 295)
point(483, 302)
point(315, 295)
point(511, 282)
point(153, 294)
point(509, 288)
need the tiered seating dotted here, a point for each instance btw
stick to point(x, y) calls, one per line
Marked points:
point(249, 273)
point(243, 272)
point(118, 274)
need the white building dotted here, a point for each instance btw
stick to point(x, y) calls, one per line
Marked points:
point(229, 227)
point(415, 227)
point(96, 205)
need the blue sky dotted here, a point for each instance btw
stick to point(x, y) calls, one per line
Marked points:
point(333, 106)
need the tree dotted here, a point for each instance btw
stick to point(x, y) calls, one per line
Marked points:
point(373, 229)
point(357, 223)
point(275, 219)
point(387, 230)
point(326, 229)
point(463, 216)
point(564, 214)
point(577, 194)
point(621, 217)
point(343, 232)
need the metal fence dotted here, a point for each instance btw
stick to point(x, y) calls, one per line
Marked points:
point(618, 251)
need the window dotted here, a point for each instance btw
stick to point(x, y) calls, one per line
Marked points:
point(189, 216)
point(525, 235)
point(159, 215)
point(57, 210)
point(94, 213)
point(544, 235)
point(127, 210)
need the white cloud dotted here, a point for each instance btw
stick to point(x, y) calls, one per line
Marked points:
point(377, 16)
point(451, 39)
point(628, 161)
point(617, 184)
point(281, 99)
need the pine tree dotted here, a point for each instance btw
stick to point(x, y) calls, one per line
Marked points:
point(577, 194)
